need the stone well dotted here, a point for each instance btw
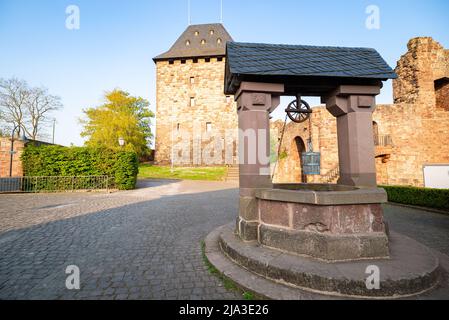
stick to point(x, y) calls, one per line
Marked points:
point(327, 222)
point(320, 238)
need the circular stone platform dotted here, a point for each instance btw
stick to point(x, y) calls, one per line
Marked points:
point(411, 270)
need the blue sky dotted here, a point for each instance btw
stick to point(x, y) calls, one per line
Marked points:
point(117, 39)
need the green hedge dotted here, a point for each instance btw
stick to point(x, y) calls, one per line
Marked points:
point(432, 198)
point(50, 161)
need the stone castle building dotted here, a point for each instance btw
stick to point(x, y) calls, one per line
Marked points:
point(410, 134)
point(190, 99)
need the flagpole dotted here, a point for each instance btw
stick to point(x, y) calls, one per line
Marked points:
point(189, 19)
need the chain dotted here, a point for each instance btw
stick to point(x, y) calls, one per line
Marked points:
point(310, 144)
point(280, 146)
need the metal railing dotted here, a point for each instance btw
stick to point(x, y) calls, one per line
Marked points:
point(332, 175)
point(55, 184)
point(383, 141)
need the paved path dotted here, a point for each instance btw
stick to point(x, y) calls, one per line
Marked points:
point(431, 229)
point(142, 244)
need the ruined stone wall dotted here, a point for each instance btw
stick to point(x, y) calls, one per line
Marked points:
point(411, 133)
point(174, 93)
point(420, 124)
point(425, 62)
point(324, 139)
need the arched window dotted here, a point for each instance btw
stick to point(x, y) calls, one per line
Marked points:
point(375, 130)
point(442, 93)
point(377, 139)
point(300, 149)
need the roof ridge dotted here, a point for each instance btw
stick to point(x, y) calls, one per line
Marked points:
point(295, 46)
point(271, 62)
point(203, 40)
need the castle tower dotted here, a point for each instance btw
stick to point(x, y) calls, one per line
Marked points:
point(192, 110)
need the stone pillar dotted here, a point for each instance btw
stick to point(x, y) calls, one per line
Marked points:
point(255, 102)
point(353, 106)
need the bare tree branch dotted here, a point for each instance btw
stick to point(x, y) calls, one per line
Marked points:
point(39, 105)
point(29, 108)
point(13, 96)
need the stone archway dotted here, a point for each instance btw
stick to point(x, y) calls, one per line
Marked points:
point(298, 148)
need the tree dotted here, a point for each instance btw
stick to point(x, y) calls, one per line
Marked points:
point(121, 116)
point(39, 105)
point(26, 107)
point(13, 97)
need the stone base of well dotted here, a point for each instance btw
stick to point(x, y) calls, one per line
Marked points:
point(327, 222)
point(411, 270)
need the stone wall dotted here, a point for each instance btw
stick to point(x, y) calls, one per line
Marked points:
point(411, 133)
point(324, 138)
point(5, 160)
point(425, 62)
point(175, 89)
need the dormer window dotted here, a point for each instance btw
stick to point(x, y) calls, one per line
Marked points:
point(209, 127)
point(203, 42)
point(197, 33)
point(188, 43)
point(212, 32)
point(219, 41)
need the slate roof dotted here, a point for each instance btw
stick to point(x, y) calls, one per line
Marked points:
point(255, 59)
point(198, 41)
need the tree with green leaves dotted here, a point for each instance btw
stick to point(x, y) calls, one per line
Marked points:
point(121, 116)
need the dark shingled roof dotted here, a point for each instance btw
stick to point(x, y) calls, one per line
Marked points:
point(214, 43)
point(245, 61)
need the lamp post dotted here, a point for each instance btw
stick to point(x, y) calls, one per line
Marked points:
point(12, 152)
point(121, 142)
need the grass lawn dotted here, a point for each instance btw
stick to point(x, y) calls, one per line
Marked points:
point(147, 171)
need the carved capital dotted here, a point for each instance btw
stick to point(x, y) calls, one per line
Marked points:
point(259, 99)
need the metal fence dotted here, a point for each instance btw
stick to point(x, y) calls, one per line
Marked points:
point(55, 184)
point(383, 141)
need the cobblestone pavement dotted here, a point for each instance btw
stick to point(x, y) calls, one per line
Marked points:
point(431, 229)
point(142, 244)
